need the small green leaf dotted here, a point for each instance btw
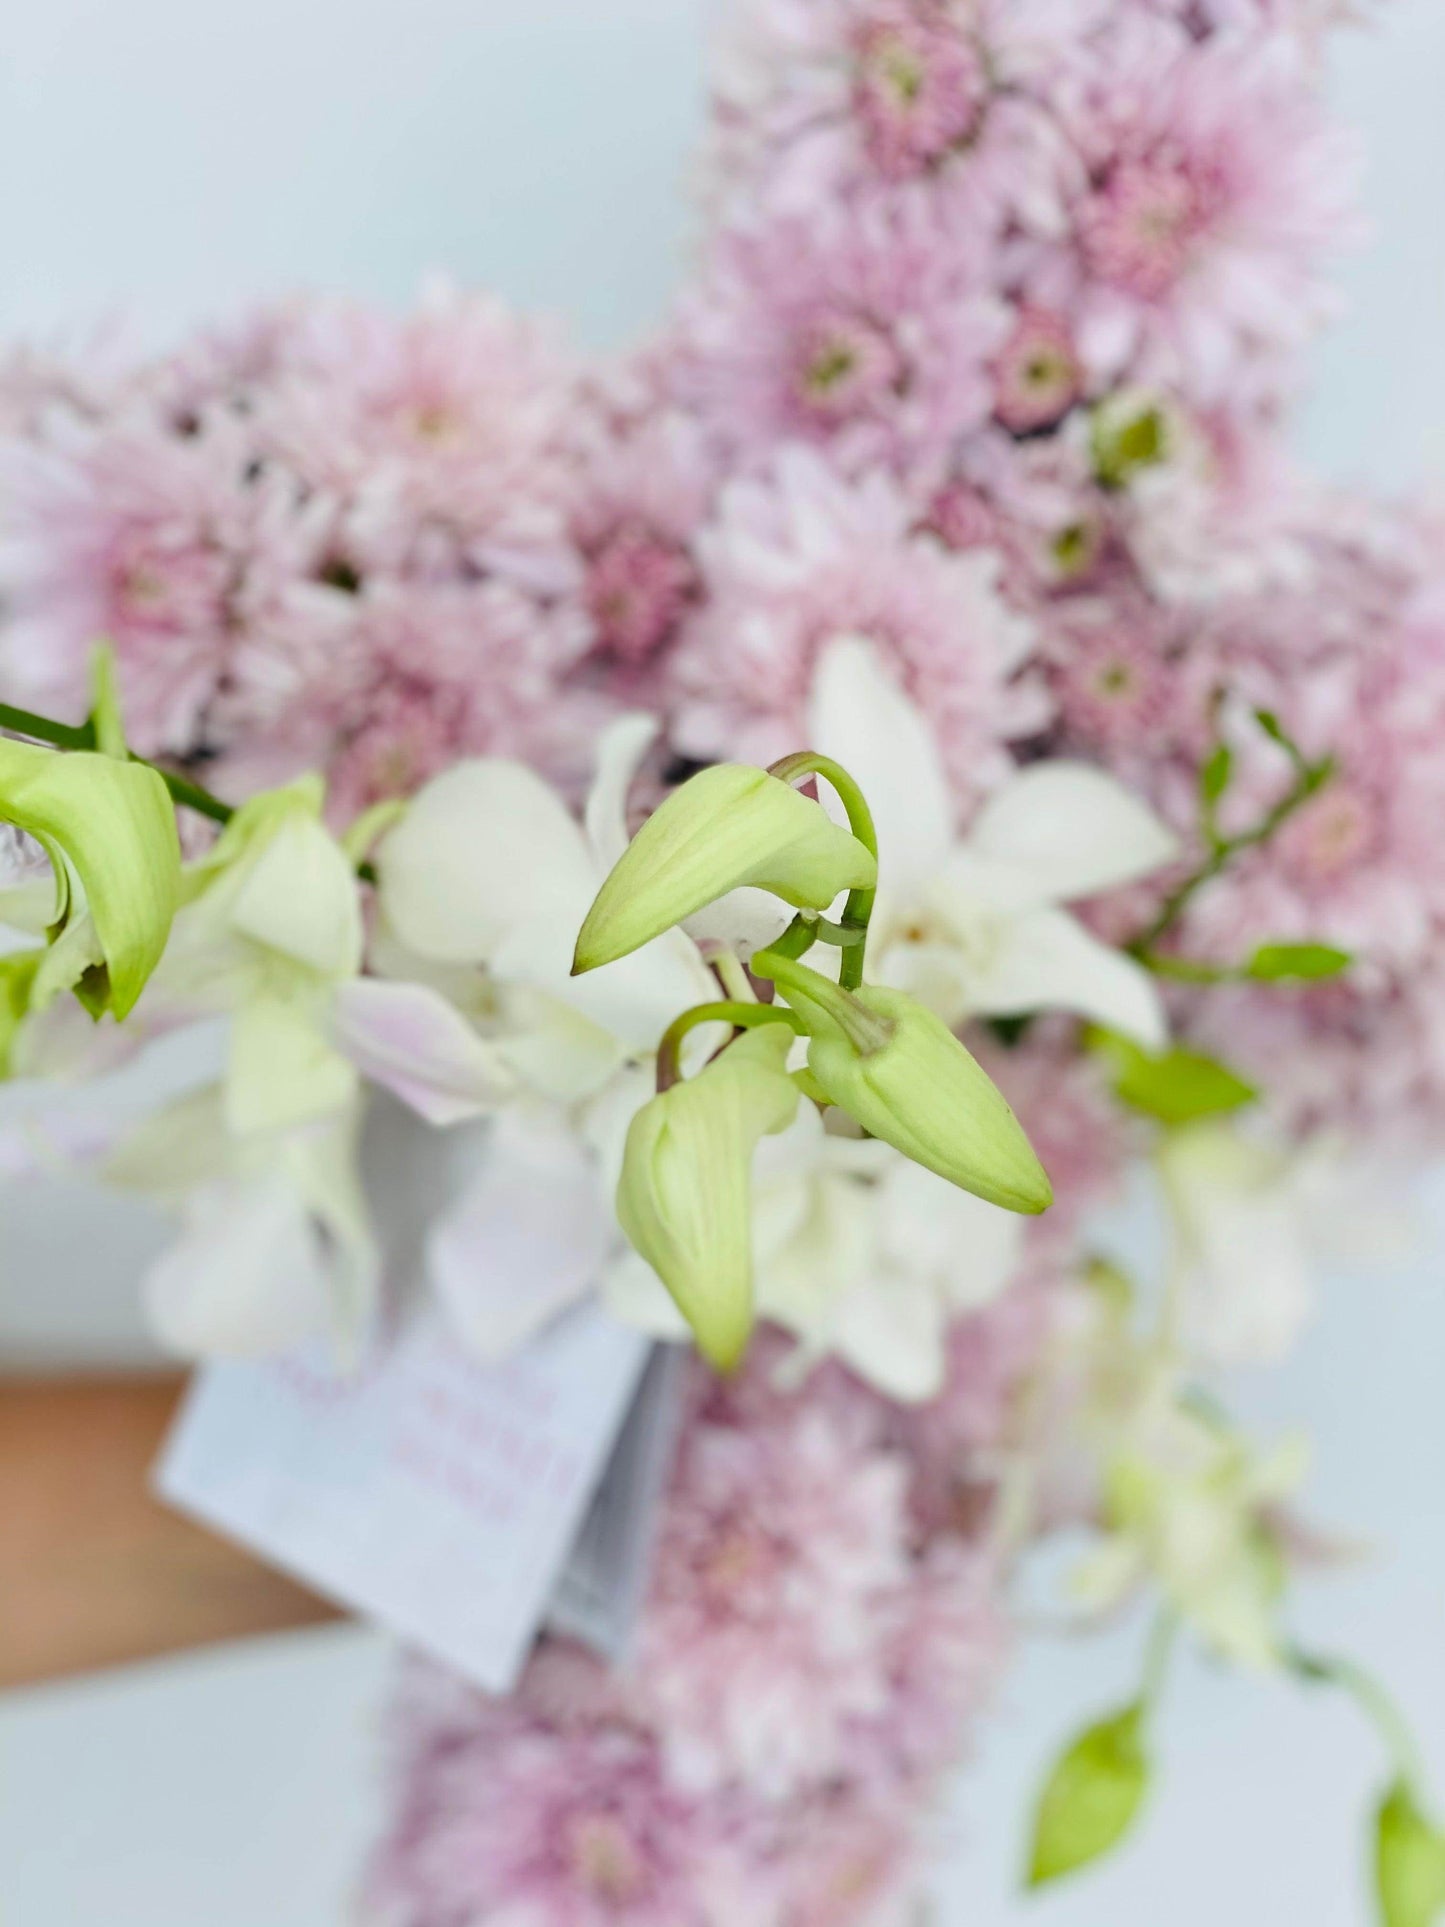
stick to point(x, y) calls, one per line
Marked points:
point(1275, 963)
point(1215, 775)
point(1409, 1862)
point(1091, 1798)
point(1176, 1087)
point(1275, 729)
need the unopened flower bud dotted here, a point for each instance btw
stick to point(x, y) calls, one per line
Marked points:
point(728, 825)
point(902, 1074)
point(684, 1195)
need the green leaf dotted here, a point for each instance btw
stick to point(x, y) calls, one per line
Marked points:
point(1091, 1799)
point(1215, 775)
point(1275, 963)
point(1176, 1087)
point(1275, 730)
point(105, 716)
point(1409, 1862)
point(109, 829)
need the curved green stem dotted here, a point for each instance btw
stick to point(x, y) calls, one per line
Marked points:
point(43, 729)
point(1374, 1702)
point(859, 907)
point(741, 1016)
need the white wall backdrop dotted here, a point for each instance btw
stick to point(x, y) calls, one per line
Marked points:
point(167, 161)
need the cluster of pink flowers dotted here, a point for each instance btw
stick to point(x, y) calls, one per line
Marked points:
point(810, 1653)
point(999, 305)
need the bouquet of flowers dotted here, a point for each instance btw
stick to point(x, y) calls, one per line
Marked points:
point(837, 792)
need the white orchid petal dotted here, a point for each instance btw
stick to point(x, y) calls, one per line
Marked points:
point(858, 715)
point(557, 1052)
point(484, 848)
point(283, 1069)
point(892, 1333)
point(1047, 960)
point(633, 999)
point(245, 1277)
point(528, 1237)
point(930, 1229)
point(1241, 1260)
point(409, 1039)
point(1073, 829)
point(745, 920)
point(635, 1295)
point(620, 751)
point(300, 898)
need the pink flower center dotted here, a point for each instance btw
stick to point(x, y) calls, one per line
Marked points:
point(1142, 224)
point(604, 1859)
point(845, 364)
point(1113, 688)
point(638, 588)
point(154, 587)
point(1037, 377)
point(919, 91)
point(1335, 832)
point(963, 518)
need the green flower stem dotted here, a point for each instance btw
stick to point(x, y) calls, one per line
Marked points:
point(859, 907)
point(1373, 1701)
point(1157, 1655)
point(732, 974)
point(1309, 780)
point(740, 1015)
point(819, 1003)
point(42, 729)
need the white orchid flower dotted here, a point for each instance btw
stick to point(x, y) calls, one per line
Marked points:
point(974, 926)
point(484, 884)
point(275, 1246)
point(857, 1251)
point(272, 936)
point(1251, 1224)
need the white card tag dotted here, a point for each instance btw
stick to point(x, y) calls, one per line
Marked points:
point(432, 1494)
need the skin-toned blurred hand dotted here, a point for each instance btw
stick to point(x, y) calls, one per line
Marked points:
point(94, 1571)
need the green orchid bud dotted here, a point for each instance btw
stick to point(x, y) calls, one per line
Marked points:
point(727, 826)
point(109, 829)
point(903, 1075)
point(1091, 1798)
point(684, 1195)
point(1409, 1862)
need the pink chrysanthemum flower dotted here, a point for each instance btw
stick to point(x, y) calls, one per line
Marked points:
point(1113, 675)
point(803, 557)
point(646, 486)
point(1037, 375)
point(866, 329)
point(161, 544)
point(1211, 192)
point(780, 1575)
point(816, 100)
point(443, 431)
point(508, 1821)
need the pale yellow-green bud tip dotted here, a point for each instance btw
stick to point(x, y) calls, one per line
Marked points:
point(922, 1092)
point(727, 826)
point(683, 1198)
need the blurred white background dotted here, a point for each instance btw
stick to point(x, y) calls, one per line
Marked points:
point(164, 162)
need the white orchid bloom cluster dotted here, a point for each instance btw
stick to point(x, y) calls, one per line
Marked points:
point(443, 975)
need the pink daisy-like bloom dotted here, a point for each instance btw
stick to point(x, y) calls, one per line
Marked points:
point(1211, 192)
point(1038, 503)
point(443, 431)
point(799, 558)
point(126, 531)
point(1037, 375)
point(1113, 674)
point(506, 1820)
point(867, 330)
point(817, 100)
point(392, 685)
point(780, 1574)
point(646, 485)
